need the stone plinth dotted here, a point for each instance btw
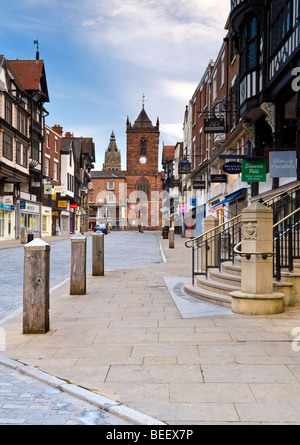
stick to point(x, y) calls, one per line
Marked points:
point(256, 296)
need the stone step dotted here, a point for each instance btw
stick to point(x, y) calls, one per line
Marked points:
point(225, 278)
point(208, 296)
point(230, 268)
point(216, 286)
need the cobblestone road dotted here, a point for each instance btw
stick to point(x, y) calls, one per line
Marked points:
point(26, 401)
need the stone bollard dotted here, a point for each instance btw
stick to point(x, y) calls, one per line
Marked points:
point(256, 296)
point(36, 287)
point(23, 235)
point(78, 265)
point(98, 254)
point(171, 238)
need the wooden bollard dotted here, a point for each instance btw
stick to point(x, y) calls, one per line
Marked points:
point(171, 238)
point(98, 254)
point(36, 287)
point(78, 265)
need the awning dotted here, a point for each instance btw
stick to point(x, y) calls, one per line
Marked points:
point(227, 199)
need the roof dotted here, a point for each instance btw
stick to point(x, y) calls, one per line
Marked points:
point(107, 174)
point(168, 153)
point(143, 123)
point(30, 74)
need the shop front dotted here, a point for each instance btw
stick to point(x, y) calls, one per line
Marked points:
point(46, 221)
point(7, 222)
point(29, 216)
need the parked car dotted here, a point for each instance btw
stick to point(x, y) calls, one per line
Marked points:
point(100, 228)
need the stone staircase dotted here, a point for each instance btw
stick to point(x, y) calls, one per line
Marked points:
point(216, 288)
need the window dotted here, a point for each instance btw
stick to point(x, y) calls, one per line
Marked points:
point(55, 170)
point(143, 190)
point(110, 199)
point(8, 112)
point(8, 151)
point(111, 185)
point(19, 153)
point(47, 166)
point(22, 123)
point(282, 18)
point(223, 70)
point(55, 144)
point(143, 147)
point(25, 156)
point(215, 84)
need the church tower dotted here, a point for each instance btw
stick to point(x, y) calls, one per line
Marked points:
point(112, 155)
point(142, 175)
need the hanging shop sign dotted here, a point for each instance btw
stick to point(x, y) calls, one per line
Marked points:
point(62, 204)
point(232, 168)
point(214, 125)
point(283, 164)
point(73, 206)
point(199, 185)
point(47, 189)
point(254, 170)
point(218, 178)
point(184, 167)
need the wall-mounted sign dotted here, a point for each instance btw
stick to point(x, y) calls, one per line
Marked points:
point(254, 170)
point(214, 125)
point(232, 168)
point(184, 167)
point(199, 185)
point(73, 206)
point(8, 187)
point(8, 200)
point(62, 204)
point(175, 182)
point(218, 178)
point(283, 164)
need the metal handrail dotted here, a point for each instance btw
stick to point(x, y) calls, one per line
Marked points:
point(294, 188)
point(265, 253)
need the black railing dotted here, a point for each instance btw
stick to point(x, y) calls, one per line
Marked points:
point(216, 246)
point(286, 243)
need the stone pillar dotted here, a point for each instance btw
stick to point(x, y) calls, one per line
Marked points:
point(209, 223)
point(36, 287)
point(78, 265)
point(171, 238)
point(98, 254)
point(256, 296)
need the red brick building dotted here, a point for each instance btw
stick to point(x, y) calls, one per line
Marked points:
point(133, 196)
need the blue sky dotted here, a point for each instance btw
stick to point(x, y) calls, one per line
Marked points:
point(101, 56)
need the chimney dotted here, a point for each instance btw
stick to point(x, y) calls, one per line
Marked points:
point(58, 129)
point(68, 135)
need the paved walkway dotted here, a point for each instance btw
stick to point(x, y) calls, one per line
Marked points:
point(127, 340)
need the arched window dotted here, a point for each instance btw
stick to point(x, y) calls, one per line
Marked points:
point(143, 190)
point(143, 147)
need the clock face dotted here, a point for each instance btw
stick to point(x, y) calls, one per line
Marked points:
point(143, 159)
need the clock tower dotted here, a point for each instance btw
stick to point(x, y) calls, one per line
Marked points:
point(142, 176)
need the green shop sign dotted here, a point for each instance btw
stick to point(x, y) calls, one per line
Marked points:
point(254, 171)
